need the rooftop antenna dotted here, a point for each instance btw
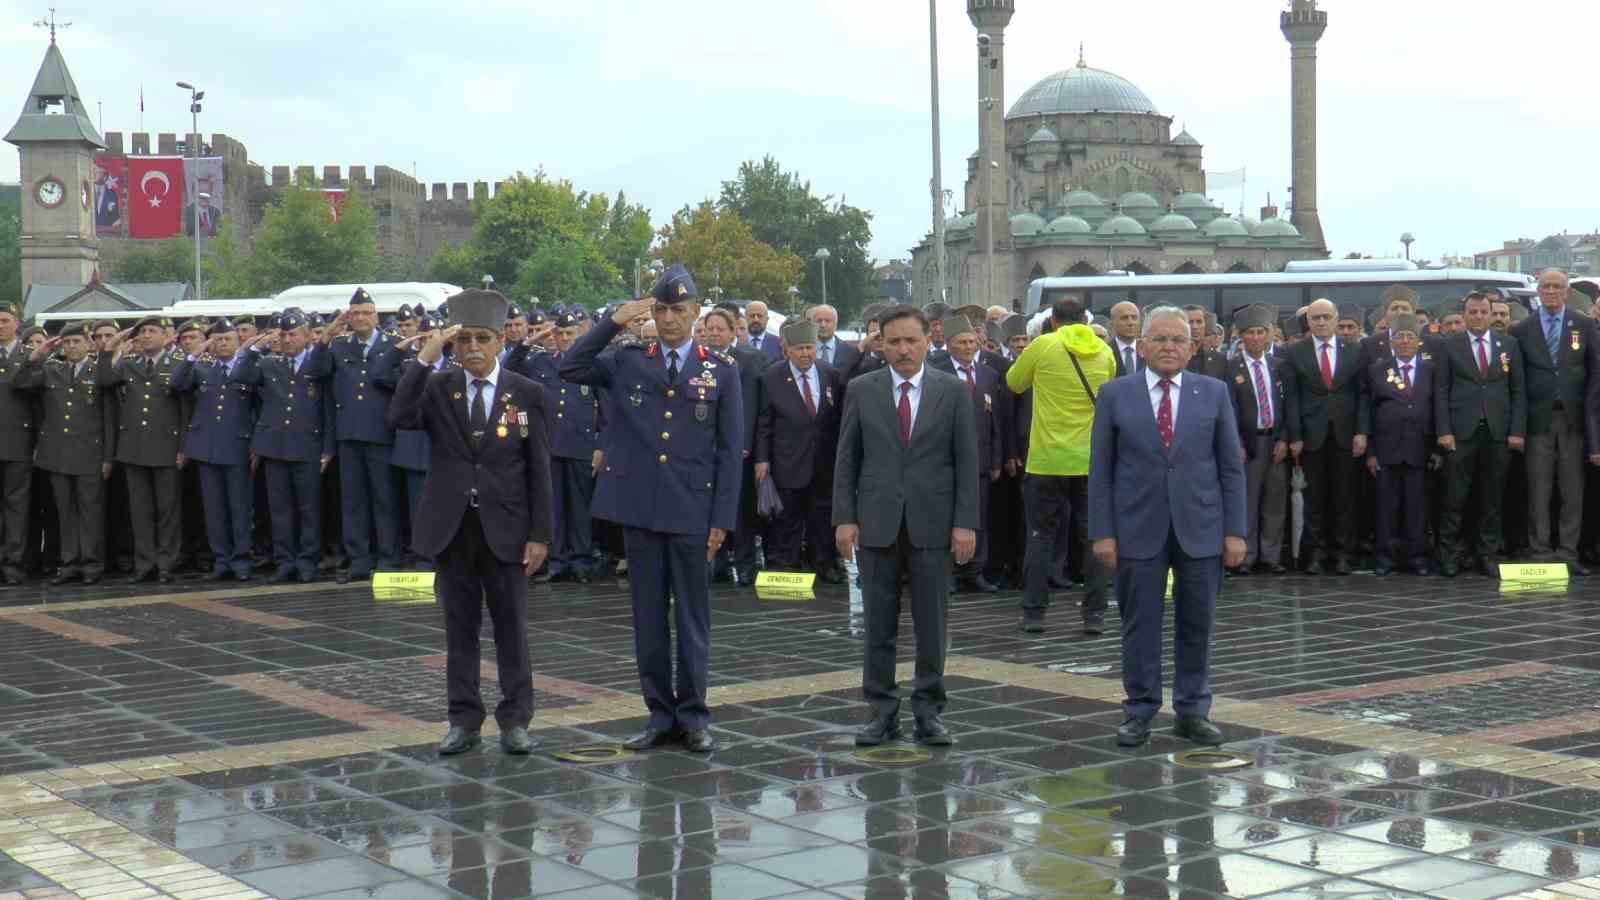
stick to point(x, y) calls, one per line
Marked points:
point(52, 24)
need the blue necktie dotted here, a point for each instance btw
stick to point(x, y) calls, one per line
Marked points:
point(1552, 339)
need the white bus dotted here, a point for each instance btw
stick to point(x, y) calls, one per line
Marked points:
point(1222, 294)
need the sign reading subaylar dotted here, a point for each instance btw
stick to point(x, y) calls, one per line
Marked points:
point(403, 587)
point(1534, 578)
point(785, 585)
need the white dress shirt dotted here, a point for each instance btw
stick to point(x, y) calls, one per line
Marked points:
point(916, 391)
point(1153, 382)
point(809, 384)
point(1122, 351)
point(488, 392)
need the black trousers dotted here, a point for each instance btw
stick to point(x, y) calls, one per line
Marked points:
point(296, 499)
point(1053, 503)
point(119, 524)
point(196, 547)
point(1474, 474)
point(1007, 537)
point(1330, 501)
point(43, 541)
point(979, 563)
point(800, 538)
point(16, 485)
point(154, 501)
point(366, 495)
point(469, 578)
point(882, 570)
point(573, 550)
point(1401, 510)
point(81, 508)
point(662, 565)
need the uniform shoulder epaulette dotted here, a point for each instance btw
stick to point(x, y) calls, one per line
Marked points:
point(724, 357)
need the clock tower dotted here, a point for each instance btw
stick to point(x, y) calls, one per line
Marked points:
point(57, 142)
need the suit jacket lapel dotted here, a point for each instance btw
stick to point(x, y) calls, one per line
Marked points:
point(1190, 393)
point(926, 407)
point(458, 400)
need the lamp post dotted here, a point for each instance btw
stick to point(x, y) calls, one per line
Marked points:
point(1408, 240)
point(195, 96)
point(636, 277)
point(822, 257)
point(937, 186)
point(794, 300)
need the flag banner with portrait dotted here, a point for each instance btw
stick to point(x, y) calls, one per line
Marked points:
point(335, 198)
point(203, 195)
point(110, 194)
point(155, 196)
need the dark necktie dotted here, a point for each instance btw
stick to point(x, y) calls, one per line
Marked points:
point(1405, 374)
point(1552, 339)
point(1263, 399)
point(1127, 360)
point(1164, 413)
point(480, 412)
point(805, 391)
point(972, 386)
point(905, 413)
point(1327, 368)
point(1483, 360)
point(827, 354)
point(672, 367)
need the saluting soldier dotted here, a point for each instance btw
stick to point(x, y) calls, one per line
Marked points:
point(573, 420)
point(152, 418)
point(293, 439)
point(17, 423)
point(194, 547)
point(74, 448)
point(218, 443)
point(411, 450)
point(487, 502)
point(671, 479)
point(349, 350)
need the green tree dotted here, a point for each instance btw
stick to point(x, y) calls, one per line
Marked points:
point(300, 241)
point(171, 260)
point(782, 211)
point(227, 267)
point(10, 255)
point(706, 239)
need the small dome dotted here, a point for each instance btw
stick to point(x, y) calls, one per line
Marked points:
point(1120, 224)
point(1082, 199)
point(1277, 228)
point(1173, 223)
point(961, 222)
point(1044, 135)
point(1026, 223)
point(1137, 200)
point(1186, 139)
point(1222, 226)
point(1068, 224)
point(1250, 223)
point(1191, 200)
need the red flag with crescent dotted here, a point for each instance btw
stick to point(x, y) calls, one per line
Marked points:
point(155, 196)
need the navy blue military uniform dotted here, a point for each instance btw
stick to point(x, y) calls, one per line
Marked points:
point(218, 441)
point(411, 449)
point(292, 434)
point(361, 410)
point(671, 474)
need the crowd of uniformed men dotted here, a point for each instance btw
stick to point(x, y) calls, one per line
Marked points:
point(231, 446)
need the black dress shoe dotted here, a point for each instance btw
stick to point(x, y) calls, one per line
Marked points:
point(829, 575)
point(62, 578)
point(1095, 624)
point(1032, 624)
point(1578, 569)
point(342, 578)
point(1448, 570)
point(1057, 584)
point(699, 741)
point(457, 740)
point(136, 578)
point(878, 731)
point(581, 576)
point(930, 732)
point(516, 742)
point(1489, 568)
point(216, 575)
point(1133, 732)
point(1278, 569)
point(91, 579)
point(984, 586)
point(307, 577)
point(242, 576)
point(166, 578)
point(1198, 729)
point(746, 579)
point(1315, 568)
point(648, 738)
point(1341, 567)
point(543, 577)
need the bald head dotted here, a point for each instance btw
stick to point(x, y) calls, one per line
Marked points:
point(1125, 321)
point(1553, 286)
point(826, 318)
point(756, 314)
point(1322, 316)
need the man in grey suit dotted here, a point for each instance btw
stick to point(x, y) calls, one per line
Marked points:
point(905, 498)
point(1166, 490)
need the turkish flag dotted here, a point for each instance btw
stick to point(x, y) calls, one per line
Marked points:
point(155, 196)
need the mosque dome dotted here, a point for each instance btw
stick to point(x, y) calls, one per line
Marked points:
point(1277, 228)
point(1186, 139)
point(1191, 200)
point(1222, 226)
point(961, 222)
point(1026, 223)
point(1044, 135)
point(1068, 224)
point(1137, 200)
point(1250, 224)
point(1082, 89)
point(1082, 199)
point(1120, 224)
point(1173, 223)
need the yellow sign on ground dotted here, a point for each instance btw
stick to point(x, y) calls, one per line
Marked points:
point(785, 585)
point(403, 586)
point(1533, 573)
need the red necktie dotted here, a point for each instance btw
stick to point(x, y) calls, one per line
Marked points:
point(805, 391)
point(905, 413)
point(972, 386)
point(1327, 369)
point(1164, 413)
point(1483, 360)
point(1405, 374)
point(1262, 399)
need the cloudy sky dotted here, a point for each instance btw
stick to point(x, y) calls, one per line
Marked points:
point(1460, 128)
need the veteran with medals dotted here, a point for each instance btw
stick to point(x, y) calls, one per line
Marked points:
point(486, 517)
point(671, 480)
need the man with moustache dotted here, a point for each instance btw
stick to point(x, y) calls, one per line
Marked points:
point(756, 314)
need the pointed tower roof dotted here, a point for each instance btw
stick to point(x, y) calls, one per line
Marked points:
point(55, 110)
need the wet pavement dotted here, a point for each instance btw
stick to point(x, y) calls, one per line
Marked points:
point(1404, 737)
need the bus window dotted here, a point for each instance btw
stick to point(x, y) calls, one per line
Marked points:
point(1436, 292)
point(1104, 300)
point(1282, 296)
point(1367, 296)
point(1179, 297)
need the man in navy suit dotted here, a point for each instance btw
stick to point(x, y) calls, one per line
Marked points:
point(1400, 392)
point(756, 315)
point(797, 429)
point(1166, 490)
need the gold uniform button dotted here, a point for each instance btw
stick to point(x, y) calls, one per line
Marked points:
point(69, 402)
point(671, 393)
point(662, 458)
point(144, 424)
point(669, 413)
point(665, 436)
point(361, 396)
point(561, 415)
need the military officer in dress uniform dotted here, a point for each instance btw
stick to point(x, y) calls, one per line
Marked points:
point(349, 350)
point(74, 448)
point(152, 419)
point(411, 450)
point(195, 548)
point(218, 443)
point(487, 502)
point(1400, 392)
point(293, 439)
point(671, 478)
point(984, 386)
point(574, 420)
point(17, 424)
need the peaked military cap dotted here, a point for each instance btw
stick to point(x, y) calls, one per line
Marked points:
point(32, 330)
point(954, 325)
point(674, 286)
point(568, 319)
point(1351, 312)
point(220, 326)
point(195, 324)
point(291, 318)
point(476, 308)
point(103, 323)
point(80, 329)
point(405, 313)
point(1014, 326)
point(796, 330)
point(1404, 322)
point(536, 316)
point(513, 311)
point(360, 297)
point(155, 321)
point(11, 309)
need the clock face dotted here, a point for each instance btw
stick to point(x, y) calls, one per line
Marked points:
point(50, 192)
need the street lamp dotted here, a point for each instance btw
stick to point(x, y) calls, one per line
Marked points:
point(195, 96)
point(937, 186)
point(794, 300)
point(822, 256)
point(1408, 240)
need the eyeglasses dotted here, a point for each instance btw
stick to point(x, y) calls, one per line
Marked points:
point(1167, 341)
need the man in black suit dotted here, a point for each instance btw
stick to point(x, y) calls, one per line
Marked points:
point(989, 395)
point(1400, 395)
point(756, 315)
point(1558, 349)
point(1205, 361)
point(1322, 388)
point(720, 326)
point(836, 354)
point(1480, 411)
point(1257, 392)
point(487, 511)
point(797, 427)
point(905, 497)
point(1124, 341)
point(936, 313)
